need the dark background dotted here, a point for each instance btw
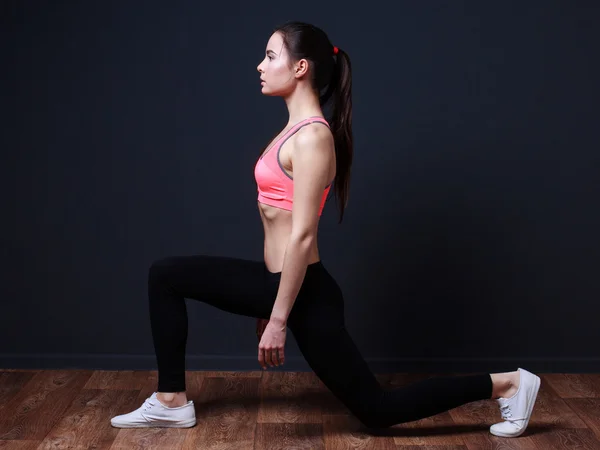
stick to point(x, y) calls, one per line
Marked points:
point(470, 242)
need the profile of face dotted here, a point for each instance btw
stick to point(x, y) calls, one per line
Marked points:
point(279, 78)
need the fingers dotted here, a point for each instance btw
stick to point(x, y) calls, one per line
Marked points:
point(271, 357)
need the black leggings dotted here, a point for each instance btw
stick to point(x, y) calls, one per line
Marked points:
point(247, 288)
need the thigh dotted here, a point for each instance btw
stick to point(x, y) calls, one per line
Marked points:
point(320, 332)
point(240, 286)
point(334, 357)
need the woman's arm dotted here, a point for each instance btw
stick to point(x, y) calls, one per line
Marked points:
point(292, 276)
point(311, 158)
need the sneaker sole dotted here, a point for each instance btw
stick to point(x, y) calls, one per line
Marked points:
point(531, 399)
point(188, 424)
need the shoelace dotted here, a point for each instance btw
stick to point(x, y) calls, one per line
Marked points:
point(147, 404)
point(506, 413)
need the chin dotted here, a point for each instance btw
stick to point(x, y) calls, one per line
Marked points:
point(269, 93)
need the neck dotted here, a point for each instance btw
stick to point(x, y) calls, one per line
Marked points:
point(302, 103)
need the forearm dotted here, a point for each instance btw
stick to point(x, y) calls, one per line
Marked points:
point(295, 263)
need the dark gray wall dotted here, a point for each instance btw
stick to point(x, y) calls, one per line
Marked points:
point(471, 237)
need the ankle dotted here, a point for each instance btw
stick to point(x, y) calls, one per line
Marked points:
point(172, 399)
point(504, 384)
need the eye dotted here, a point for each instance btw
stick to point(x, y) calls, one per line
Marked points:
point(269, 57)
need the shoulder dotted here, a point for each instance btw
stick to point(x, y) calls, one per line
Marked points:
point(315, 136)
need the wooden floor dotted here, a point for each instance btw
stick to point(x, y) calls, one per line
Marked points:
point(60, 409)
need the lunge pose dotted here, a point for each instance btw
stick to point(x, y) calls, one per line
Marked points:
point(292, 288)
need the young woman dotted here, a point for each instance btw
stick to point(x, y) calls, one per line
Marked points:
point(291, 287)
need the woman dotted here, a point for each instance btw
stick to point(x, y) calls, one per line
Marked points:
point(291, 287)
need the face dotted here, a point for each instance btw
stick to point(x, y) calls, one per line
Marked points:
point(275, 70)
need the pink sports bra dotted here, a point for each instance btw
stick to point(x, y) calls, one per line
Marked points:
point(275, 186)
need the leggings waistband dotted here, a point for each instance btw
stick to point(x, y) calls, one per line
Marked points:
point(312, 267)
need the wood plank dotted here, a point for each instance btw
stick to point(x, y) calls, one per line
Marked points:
point(431, 447)
point(284, 436)
point(594, 379)
point(289, 397)
point(40, 404)
point(588, 409)
point(552, 412)
point(567, 438)
point(439, 429)
point(19, 445)
point(150, 439)
point(344, 431)
point(11, 383)
point(119, 380)
point(226, 412)
point(86, 423)
point(573, 385)
point(222, 374)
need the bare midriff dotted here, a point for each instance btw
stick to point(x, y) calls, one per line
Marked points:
point(277, 224)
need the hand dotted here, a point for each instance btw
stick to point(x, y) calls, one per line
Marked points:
point(272, 343)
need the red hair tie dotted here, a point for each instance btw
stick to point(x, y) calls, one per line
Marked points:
point(335, 50)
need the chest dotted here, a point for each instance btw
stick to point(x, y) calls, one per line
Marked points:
point(282, 151)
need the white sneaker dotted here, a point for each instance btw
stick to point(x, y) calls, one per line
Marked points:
point(154, 414)
point(517, 409)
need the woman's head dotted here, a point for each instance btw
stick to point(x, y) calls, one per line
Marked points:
point(301, 54)
point(279, 74)
point(296, 54)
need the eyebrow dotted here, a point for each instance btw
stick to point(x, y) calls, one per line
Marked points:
point(271, 52)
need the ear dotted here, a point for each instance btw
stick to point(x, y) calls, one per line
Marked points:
point(301, 68)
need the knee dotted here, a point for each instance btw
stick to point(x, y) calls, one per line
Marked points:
point(373, 419)
point(372, 414)
point(159, 270)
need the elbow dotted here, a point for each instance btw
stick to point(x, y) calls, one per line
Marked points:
point(303, 239)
